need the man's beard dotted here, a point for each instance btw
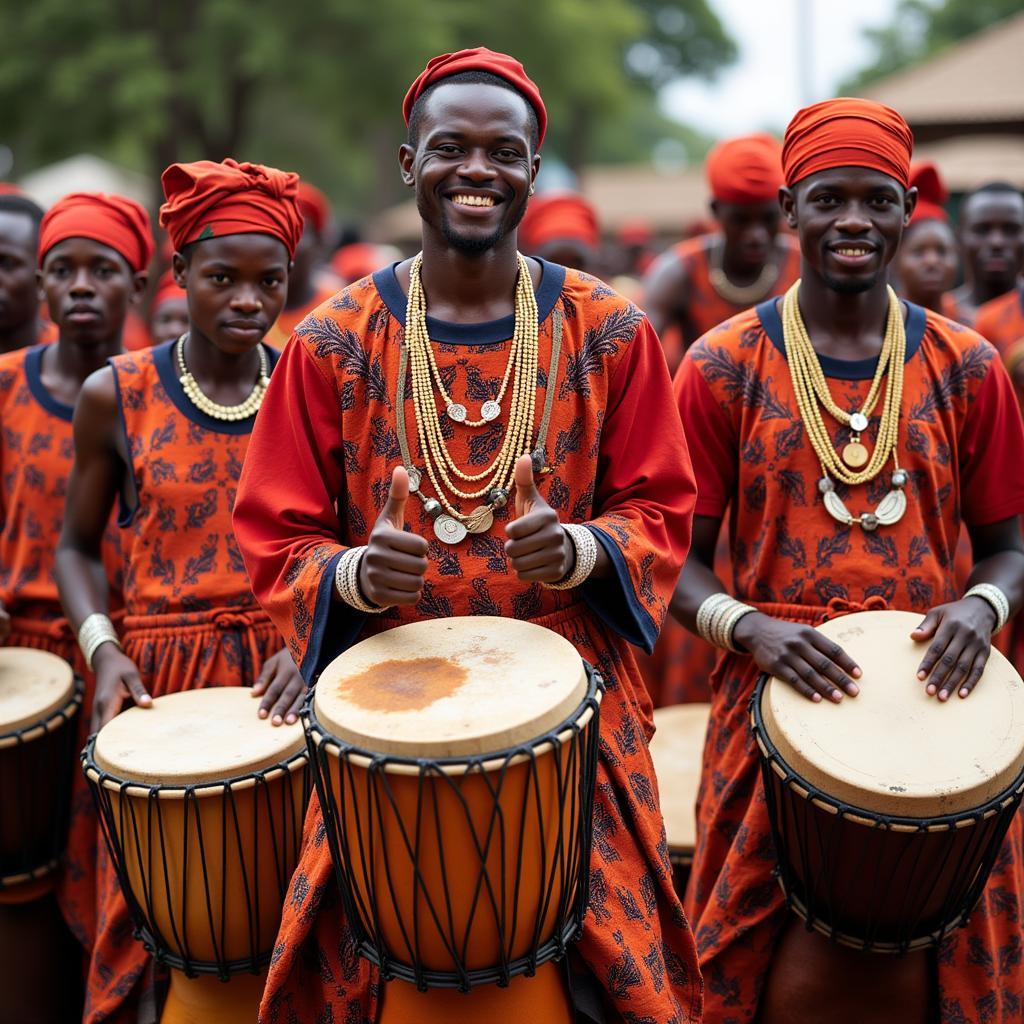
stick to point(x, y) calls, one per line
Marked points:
point(851, 286)
point(471, 246)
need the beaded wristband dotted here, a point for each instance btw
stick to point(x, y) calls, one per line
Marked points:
point(994, 597)
point(585, 544)
point(717, 618)
point(96, 630)
point(346, 581)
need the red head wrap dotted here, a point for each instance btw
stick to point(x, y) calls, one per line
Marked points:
point(747, 169)
point(210, 200)
point(315, 207)
point(479, 59)
point(166, 289)
point(117, 221)
point(931, 193)
point(555, 216)
point(847, 133)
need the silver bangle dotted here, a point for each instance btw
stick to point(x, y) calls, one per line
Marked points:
point(585, 544)
point(346, 581)
point(994, 597)
point(717, 618)
point(96, 630)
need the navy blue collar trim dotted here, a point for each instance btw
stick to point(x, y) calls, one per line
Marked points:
point(844, 369)
point(34, 375)
point(487, 333)
point(163, 359)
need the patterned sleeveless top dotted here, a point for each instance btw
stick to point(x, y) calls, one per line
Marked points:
point(179, 547)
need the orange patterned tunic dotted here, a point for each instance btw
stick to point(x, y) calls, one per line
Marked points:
point(619, 464)
point(962, 442)
point(191, 619)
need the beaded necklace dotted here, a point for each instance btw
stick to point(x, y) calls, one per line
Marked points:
point(225, 413)
point(811, 388)
point(737, 294)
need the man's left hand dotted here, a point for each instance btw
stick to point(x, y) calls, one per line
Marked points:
point(537, 546)
point(961, 635)
point(282, 689)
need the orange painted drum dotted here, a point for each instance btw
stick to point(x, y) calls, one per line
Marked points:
point(677, 750)
point(201, 804)
point(39, 701)
point(455, 762)
point(889, 809)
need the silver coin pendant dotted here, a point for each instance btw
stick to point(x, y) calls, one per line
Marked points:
point(449, 530)
point(457, 412)
point(858, 422)
point(490, 411)
point(414, 478)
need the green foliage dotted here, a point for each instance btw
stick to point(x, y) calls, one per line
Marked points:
point(923, 28)
point(316, 85)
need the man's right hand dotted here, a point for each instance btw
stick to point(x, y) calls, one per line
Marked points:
point(809, 661)
point(117, 679)
point(395, 562)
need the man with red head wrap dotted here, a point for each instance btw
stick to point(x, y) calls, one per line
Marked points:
point(163, 434)
point(798, 559)
point(612, 470)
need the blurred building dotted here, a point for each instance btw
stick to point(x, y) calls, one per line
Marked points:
point(86, 173)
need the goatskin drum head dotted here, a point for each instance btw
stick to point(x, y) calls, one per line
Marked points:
point(454, 687)
point(194, 736)
point(33, 685)
point(894, 750)
point(677, 751)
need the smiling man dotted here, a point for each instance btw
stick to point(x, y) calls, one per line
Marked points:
point(590, 547)
point(798, 559)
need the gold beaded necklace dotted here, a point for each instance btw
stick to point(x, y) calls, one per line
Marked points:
point(225, 413)
point(741, 294)
point(495, 479)
point(811, 388)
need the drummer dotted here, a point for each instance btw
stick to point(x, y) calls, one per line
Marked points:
point(958, 456)
point(476, 124)
point(94, 249)
point(165, 431)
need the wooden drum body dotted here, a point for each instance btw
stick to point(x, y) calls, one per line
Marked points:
point(202, 804)
point(39, 700)
point(455, 762)
point(678, 754)
point(888, 809)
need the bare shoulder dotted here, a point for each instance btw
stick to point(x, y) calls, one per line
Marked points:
point(97, 405)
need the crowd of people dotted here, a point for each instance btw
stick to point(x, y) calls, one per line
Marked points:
point(218, 491)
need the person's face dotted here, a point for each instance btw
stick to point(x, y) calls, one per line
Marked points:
point(849, 221)
point(19, 293)
point(169, 320)
point(749, 231)
point(473, 166)
point(307, 255)
point(88, 287)
point(236, 288)
point(992, 235)
point(927, 260)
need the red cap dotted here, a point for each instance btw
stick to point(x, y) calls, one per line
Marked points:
point(167, 288)
point(8, 188)
point(117, 221)
point(847, 133)
point(931, 193)
point(210, 200)
point(747, 169)
point(315, 206)
point(557, 215)
point(479, 59)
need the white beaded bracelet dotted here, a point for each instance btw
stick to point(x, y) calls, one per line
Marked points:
point(346, 581)
point(96, 630)
point(994, 597)
point(717, 618)
point(585, 544)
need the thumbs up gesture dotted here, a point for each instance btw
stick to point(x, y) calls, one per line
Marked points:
point(537, 546)
point(392, 568)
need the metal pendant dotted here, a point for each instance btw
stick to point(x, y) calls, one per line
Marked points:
point(414, 478)
point(855, 455)
point(858, 422)
point(891, 508)
point(449, 530)
point(836, 507)
point(490, 411)
point(457, 412)
point(480, 519)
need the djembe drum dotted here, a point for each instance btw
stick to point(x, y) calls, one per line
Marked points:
point(888, 809)
point(678, 752)
point(201, 804)
point(39, 701)
point(455, 761)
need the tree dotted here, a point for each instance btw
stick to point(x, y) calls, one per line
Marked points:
point(316, 85)
point(921, 29)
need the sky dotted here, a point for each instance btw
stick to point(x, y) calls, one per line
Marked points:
point(763, 88)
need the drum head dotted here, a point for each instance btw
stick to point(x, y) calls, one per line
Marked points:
point(678, 750)
point(33, 685)
point(894, 750)
point(194, 736)
point(451, 687)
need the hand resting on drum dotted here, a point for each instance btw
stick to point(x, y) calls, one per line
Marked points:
point(961, 632)
point(395, 562)
point(117, 679)
point(281, 687)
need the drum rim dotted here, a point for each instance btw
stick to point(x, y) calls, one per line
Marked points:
point(60, 715)
point(853, 812)
point(54, 709)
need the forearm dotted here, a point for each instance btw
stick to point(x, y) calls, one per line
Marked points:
point(1004, 570)
point(696, 584)
point(82, 583)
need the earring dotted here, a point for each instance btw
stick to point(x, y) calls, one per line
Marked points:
point(532, 189)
